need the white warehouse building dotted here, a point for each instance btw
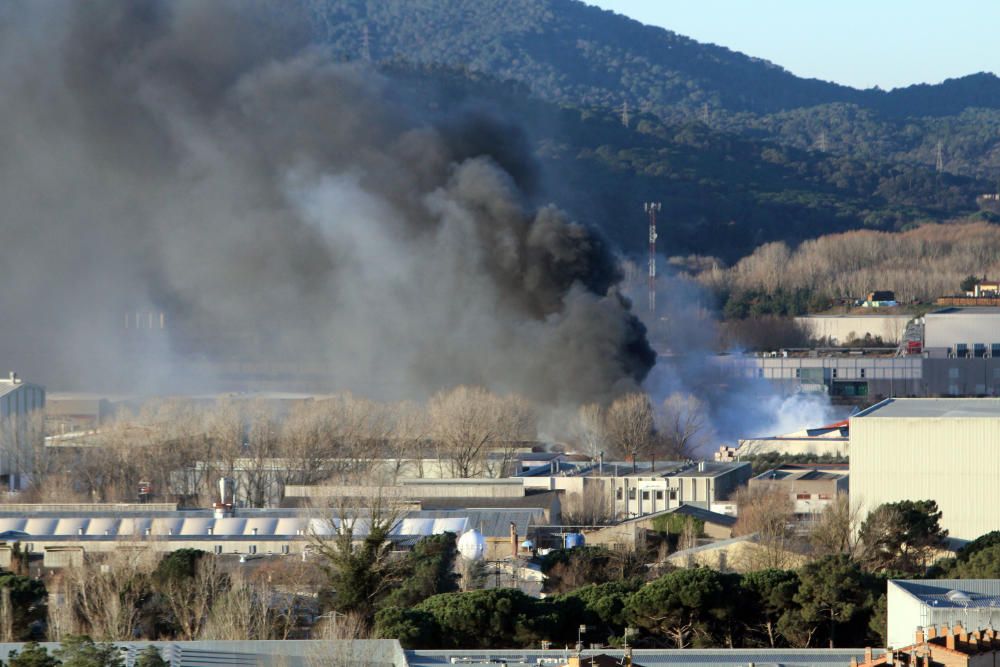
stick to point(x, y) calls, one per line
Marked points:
point(941, 449)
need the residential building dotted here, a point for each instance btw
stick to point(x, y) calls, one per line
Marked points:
point(941, 449)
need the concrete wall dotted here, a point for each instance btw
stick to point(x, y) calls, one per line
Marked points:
point(946, 330)
point(814, 446)
point(466, 488)
point(954, 461)
point(839, 328)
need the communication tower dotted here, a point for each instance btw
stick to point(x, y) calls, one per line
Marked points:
point(651, 209)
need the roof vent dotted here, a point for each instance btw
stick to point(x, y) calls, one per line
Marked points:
point(958, 597)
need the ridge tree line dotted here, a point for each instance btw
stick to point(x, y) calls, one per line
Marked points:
point(570, 54)
point(918, 265)
point(183, 447)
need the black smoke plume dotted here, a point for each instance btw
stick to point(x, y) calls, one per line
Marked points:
point(285, 213)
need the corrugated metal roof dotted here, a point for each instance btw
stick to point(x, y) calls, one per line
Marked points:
point(647, 657)
point(262, 653)
point(930, 408)
point(938, 592)
point(412, 524)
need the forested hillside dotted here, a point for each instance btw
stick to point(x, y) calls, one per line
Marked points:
point(568, 52)
point(722, 194)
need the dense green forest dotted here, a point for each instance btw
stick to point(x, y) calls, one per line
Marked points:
point(567, 52)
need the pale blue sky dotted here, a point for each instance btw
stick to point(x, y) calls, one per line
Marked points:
point(861, 43)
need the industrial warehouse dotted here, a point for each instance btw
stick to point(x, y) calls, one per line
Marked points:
point(492, 333)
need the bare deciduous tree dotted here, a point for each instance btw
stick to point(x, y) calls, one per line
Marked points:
point(681, 426)
point(190, 599)
point(589, 430)
point(467, 423)
point(630, 425)
point(589, 507)
point(105, 589)
point(240, 613)
point(769, 515)
point(836, 528)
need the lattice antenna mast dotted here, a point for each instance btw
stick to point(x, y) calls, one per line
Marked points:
point(366, 51)
point(652, 208)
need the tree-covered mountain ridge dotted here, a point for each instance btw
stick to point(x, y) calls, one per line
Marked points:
point(568, 52)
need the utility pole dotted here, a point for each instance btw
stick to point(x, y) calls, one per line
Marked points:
point(625, 113)
point(940, 156)
point(651, 209)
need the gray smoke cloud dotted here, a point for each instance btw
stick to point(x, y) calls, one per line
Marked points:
point(207, 161)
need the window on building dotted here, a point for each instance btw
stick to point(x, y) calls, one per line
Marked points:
point(862, 372)
point(798, 372)
point(979, 350)
point(284, 549)
point(631, 494)
point(995, 349)
point(645, 495)
point(803, 496)
point(659, 495)
point(252, 549)
point(825, 496)
point(961, 350)
point(218, 549)
point(673, 494)
point(954, 373)
point(834, 373)
point(618, 493)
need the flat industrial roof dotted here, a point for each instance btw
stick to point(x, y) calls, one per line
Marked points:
point(966, 310)
point(932, 408)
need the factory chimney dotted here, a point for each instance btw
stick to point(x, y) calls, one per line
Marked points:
point(227, 498)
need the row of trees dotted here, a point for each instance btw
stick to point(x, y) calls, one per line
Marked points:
point(827, 602)
point(82, 651)
point(917, 265)
point(183, 447)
